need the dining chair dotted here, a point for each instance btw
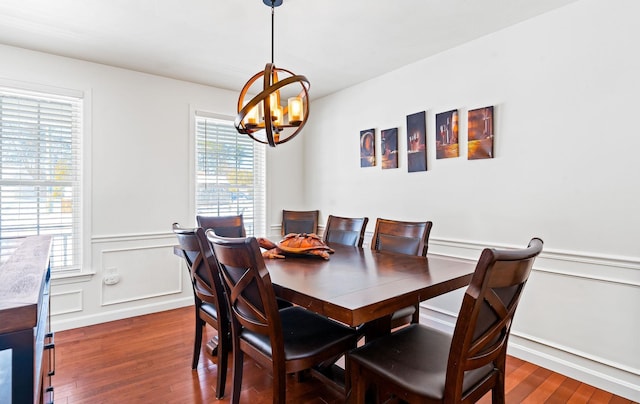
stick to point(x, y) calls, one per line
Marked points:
point(297, 221)
point(226, 226)
point(210, 305)
point(345, 230)
point(410, 238)
point(422, 364)
point(286, 341)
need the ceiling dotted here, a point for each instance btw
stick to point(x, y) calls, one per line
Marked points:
point(334, 43)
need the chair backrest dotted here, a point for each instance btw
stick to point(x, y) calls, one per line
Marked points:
point(250, 293)
point(225, 226)
point(484, 323)
point(411, 238)
point(295, 221)
point(203, 267)
point(345, 230)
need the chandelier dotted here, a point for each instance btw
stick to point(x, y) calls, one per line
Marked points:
point(264, 118)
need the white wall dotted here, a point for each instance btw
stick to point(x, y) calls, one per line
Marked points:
point(139, 183)
point(285, 181)
point(565, 88)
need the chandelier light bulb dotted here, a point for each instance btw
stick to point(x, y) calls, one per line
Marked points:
point(295, 110)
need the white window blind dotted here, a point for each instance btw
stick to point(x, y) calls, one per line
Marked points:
point(40, 173)
point(230, 173)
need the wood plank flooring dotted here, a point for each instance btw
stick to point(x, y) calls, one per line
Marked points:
point(147, 359)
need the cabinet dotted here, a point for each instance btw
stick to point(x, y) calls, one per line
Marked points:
point(27, 350)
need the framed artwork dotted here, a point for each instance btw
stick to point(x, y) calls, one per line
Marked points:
point(417, 142)
point(389, 148)
point(480, 133)
point(367, 148)
point(447, 135)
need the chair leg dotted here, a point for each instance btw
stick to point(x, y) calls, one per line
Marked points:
point(360, 391)
point(355, 385)
point(498, 393)
point(223, 359)
point(197, 343)
point(279, 386)
point(238, 359)
point(349, 389)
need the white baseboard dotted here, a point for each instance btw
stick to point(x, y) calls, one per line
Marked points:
point(61, 324)
point(608, 377)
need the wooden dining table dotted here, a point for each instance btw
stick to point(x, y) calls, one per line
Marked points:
point(359, 286)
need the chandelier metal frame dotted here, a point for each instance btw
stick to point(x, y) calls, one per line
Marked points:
point(262, 117)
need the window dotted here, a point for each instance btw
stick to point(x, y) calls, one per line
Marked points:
point(230, 173)
point(40, 173)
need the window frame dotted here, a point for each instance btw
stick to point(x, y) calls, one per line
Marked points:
point(82, 268)
point(260, 209)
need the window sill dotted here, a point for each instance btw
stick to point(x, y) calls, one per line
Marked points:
point(68, 278)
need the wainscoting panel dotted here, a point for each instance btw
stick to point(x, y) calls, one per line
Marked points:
point(139, 273)
point(67, 302)
point(132, 275)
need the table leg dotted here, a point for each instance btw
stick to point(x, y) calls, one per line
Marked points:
point(212, 346)
point(377, 328)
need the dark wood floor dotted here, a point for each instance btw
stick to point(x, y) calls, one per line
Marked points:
point(147, 359)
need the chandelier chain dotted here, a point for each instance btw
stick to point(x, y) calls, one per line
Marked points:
point(272, 24)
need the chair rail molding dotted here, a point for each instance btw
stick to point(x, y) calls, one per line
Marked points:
point(601, 267)
point(127, 237)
